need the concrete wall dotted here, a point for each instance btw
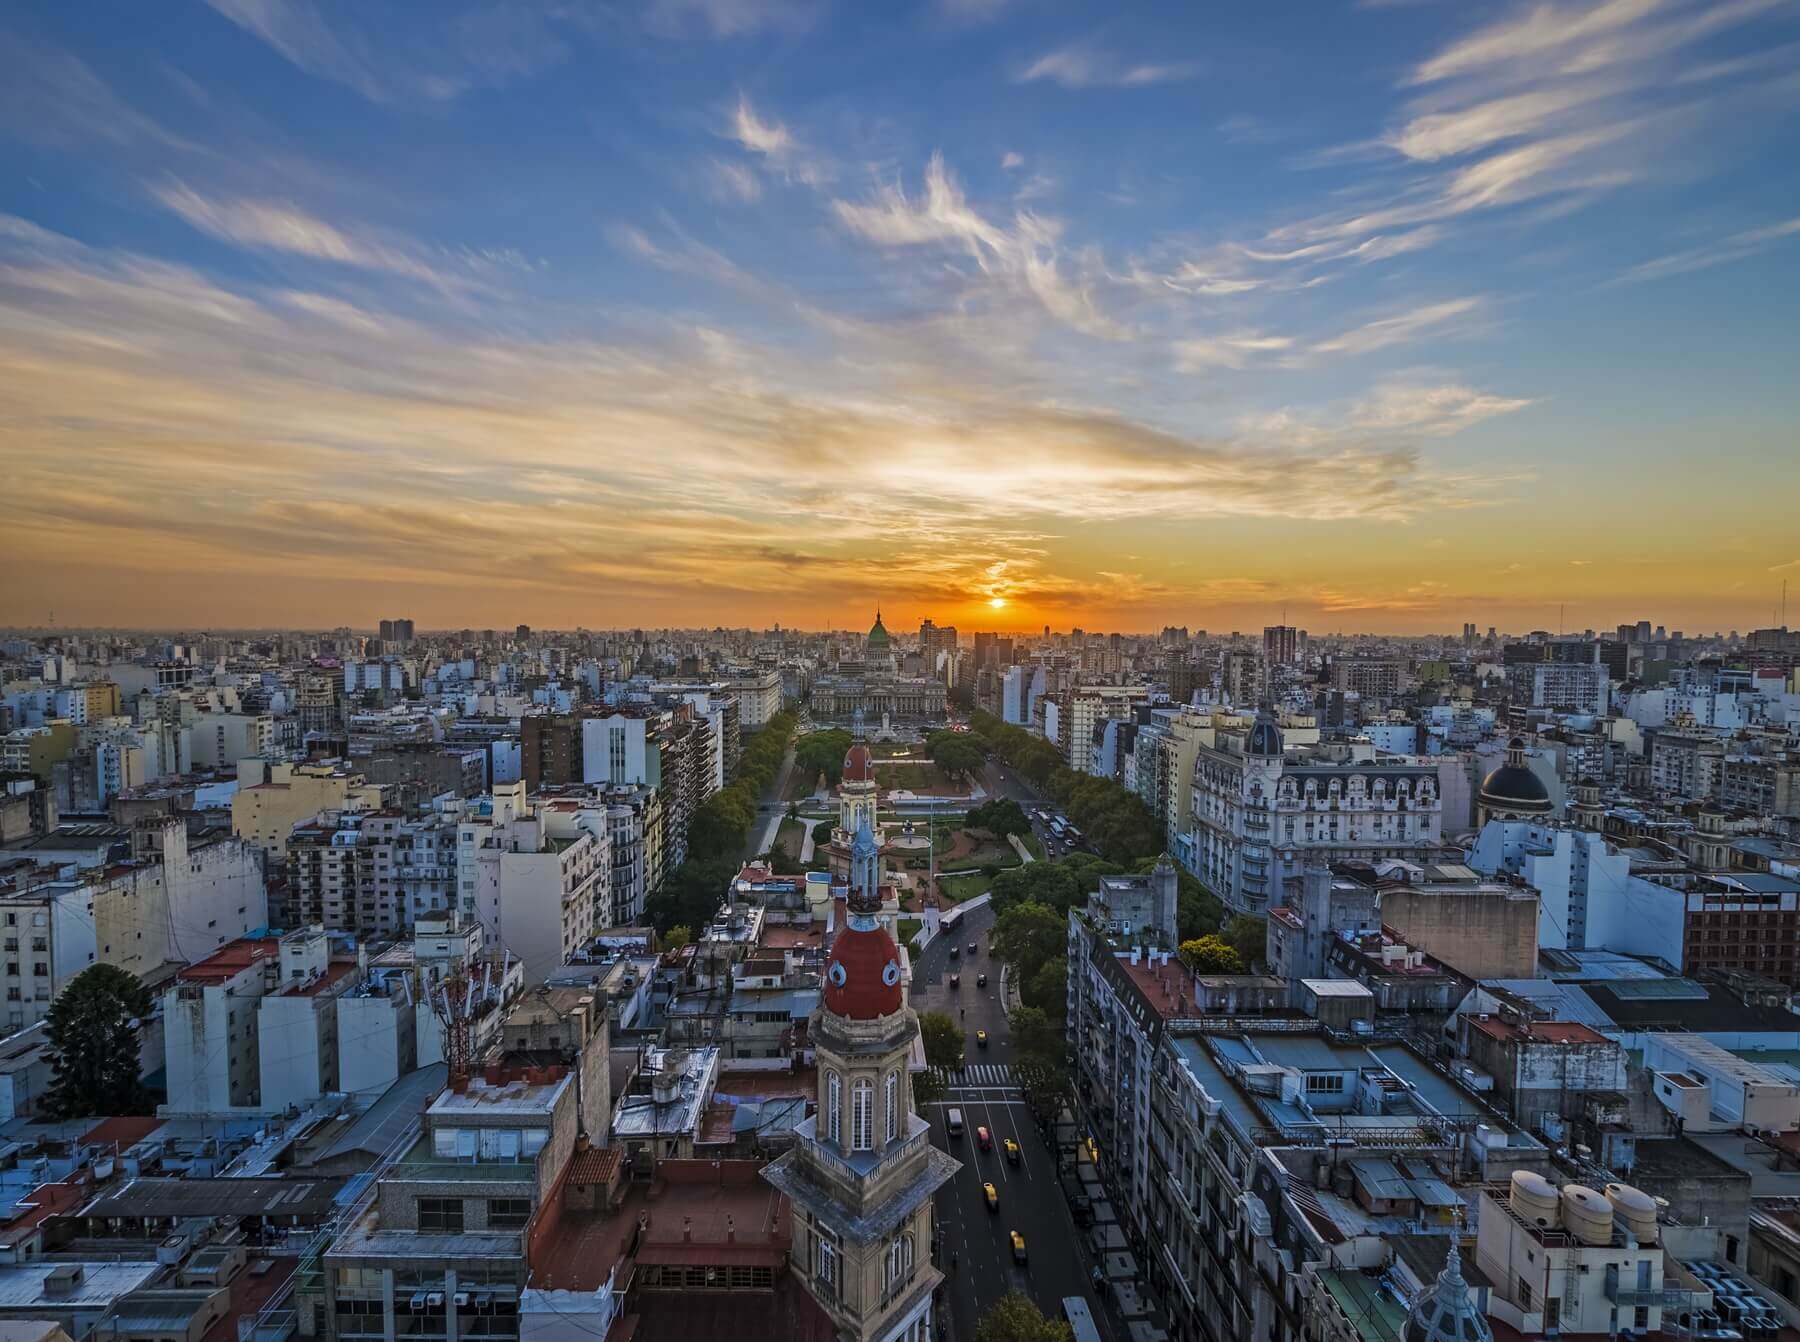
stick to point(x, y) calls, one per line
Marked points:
point(377, 1043)
point(1481, 935)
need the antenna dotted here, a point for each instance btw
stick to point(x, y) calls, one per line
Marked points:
point(452, 1003)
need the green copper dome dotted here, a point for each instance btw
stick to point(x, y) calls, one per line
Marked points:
point(878, 636)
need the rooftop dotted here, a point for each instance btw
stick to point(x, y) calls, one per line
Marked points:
point(1541, 1031)
point(529, 1091)
point(699, 1212)
point(144, 1198)
point(230, 960)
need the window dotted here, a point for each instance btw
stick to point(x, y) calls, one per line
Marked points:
point(825, 1267)
point(441, 1215)
point(862, 1116)
point(1325, 1083)
point(508, 1213)
point(834, 1122)
point(892, 1102)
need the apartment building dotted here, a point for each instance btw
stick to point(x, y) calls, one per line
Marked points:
point(275, 795)
point(210, 1039)
point(220, 740)
point(1262, 814)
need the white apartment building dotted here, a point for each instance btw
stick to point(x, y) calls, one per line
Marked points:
point(48, 939)
point(210, 1042)
point(1261, 814)
point(220, 740)
point(758, 694)
point(535, 877)
point(1087, 707)
point(297, 1025)
point(619, 750)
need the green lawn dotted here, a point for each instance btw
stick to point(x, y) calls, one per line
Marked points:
point(955, 889)
point(908, 927)
point(1033, 844)
point(924, 779)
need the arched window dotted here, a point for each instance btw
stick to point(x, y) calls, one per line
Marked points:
point(834, 1107)
point(893, 1106)
point(862, 1115)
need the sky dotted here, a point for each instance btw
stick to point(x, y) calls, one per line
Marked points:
point(1375, 316)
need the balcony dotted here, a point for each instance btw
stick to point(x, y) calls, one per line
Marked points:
point(1667, 1297)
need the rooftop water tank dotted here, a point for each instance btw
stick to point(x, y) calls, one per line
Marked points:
point(1636, 1208)
point(1534, 1199)
point(1587, 1215)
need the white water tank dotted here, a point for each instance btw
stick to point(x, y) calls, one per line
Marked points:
point(1636, 1208)
point(1587, 1215)
point(1534, 1199)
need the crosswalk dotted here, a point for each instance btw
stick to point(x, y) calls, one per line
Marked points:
point(981, 1074)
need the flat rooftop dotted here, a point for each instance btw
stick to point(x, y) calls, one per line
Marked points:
point(229, 961)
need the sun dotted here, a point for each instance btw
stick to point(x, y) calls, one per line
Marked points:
point(996, 602)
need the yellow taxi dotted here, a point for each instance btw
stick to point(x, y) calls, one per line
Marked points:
point(981, 1039)
point(992, 1195)
point(1018, 1248)
point(1093, 1151)
point(1012, 1152)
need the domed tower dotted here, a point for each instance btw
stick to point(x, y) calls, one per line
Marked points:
point(1586, 812)
point(878, 647)
point(861, 1175)
point(1445, 1312)
point(857, 792)
point(1513, 791)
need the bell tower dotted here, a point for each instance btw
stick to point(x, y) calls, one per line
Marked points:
point(862, 1173)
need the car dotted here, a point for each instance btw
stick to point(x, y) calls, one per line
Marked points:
point(974, 948)
point(954, 951)
point(981, 980)
point(1012, 1151)
point(984, 1139)
point(981, 1039)
point(1018, 1248)
point(993, 1197)
point(956, 980)
point(954, 1123)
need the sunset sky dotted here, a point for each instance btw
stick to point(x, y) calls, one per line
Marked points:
point(1391, 315)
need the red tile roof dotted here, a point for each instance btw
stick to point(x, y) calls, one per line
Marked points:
point(229, 961)
point(1539, 1031)
point(123, 1133)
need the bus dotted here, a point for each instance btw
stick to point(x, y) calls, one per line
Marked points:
point(1056, 827)
point(1073, 835)
point(1080, 1319)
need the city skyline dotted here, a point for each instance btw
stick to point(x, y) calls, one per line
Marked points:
point(737, 312)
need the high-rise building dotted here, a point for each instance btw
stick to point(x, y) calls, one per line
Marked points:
point(1281, 644)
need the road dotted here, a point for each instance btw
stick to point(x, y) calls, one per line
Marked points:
point(770, 810)
point(1031, 1201)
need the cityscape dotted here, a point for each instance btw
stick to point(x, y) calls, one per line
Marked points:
point(950, 671)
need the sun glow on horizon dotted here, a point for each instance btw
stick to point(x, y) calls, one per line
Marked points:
point(997, 602)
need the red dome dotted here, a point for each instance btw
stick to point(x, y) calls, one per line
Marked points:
point(859, 765)
point(862, 977)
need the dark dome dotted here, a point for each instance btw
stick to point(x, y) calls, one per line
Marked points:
point(1265, 737)
point(1515, 785)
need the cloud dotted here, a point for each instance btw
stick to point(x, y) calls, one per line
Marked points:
point(1737, 247)
point(1398, 329)
point(1010, 161)
point(1080, 66)
point(1023, 255)
point(51, 97)
point(730, 18)
point(1432, 410)
point(482, 47)
point(281, 227)
point(733, 181)
point(774, 144)
point(1228, 351)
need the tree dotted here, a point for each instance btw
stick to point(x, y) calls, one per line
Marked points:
point(823, 753)
point(1000, 817)
point(691, 894)
point(943, 1041)
point(676, 936)
point(1015, 1317)
point(1048, 988)
point(1036, 1034)
point(954, 753)
point(1026, 936)
point(1211, 955)
point(1051, 884)
point(1248, 935)
point(926, 1089)
point(93, 1028)
point(1046, 1086)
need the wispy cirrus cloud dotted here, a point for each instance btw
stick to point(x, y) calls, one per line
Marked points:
point(774, 145)
point(1399, 328)
point(1736, 247)
point(278, 226)
point(1084, 66)
point(1233, 351)
point(1023, 254)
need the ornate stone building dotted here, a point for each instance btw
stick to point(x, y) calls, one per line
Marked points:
point(1512, 792)
point(863, 1171)
point(873, 685)
point(1261, 814)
